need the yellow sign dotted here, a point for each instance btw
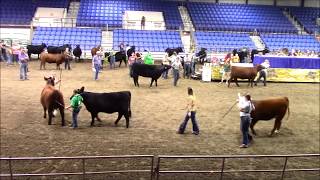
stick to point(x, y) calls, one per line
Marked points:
point(281, 74)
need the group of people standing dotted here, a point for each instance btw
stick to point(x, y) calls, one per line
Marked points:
point(18, 54)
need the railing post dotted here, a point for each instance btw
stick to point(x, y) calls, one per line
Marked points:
point(157, 169)
point(284, 168)
point(222, 168)
point(10, 168)
point(83, 169)
point(152, 172)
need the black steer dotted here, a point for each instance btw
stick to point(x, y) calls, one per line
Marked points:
point(145, 70)
point(33, 49)
point(108, 103)
point(58, 49)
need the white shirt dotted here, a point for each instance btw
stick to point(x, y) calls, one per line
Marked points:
point(243, 103)
point(266, 66)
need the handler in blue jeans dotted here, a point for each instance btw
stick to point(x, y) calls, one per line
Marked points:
point(96, 63)
point(245, 107)
point(75, 104)
point(191, 113)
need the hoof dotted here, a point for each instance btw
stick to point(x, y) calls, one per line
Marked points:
point(276, 131)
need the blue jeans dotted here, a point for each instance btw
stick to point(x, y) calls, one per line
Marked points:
point(165, 74)
point(75, 113)
point(187, 70)
point(23, 71)
point(112, 62)
point(9, 58)
point(67, 64)
point(193, 65)
point(97, 68)
point(175, 76)
point(195, 127)
point(244, 126)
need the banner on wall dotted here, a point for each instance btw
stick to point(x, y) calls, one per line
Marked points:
point(280, 74)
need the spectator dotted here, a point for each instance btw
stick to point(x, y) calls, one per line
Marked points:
point(15, 52)
point(143, 22)
point(165, 61)
point(23, 60)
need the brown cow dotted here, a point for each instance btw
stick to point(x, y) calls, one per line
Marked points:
point(249, 73)
point(268, 109)
point(52, 58)
point(94, 50)
point(52, 99)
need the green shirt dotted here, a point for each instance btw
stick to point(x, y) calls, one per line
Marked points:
point(76, 101)
point(148, 59)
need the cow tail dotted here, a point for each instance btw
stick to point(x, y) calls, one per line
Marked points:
point(288, 108)
point(129, 107)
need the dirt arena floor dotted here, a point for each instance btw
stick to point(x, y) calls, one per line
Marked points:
point(156, 115)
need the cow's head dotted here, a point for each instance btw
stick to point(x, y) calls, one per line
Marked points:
point(166, 67)
point(50, 80)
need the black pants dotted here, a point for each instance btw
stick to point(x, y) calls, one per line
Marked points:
point(67, 64)
point(262, 74)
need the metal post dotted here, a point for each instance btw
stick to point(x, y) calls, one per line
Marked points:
point(222, 168)
point(10, 169)
point(83, 169)
point(152, 172)
point(157, 169)
point(284, 167)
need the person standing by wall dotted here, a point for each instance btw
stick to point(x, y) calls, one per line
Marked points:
point(143, 22)
point(15, 52)
point(191, 113)
point(96, 63)
point(245, 107)
point(23, 61)
point(263, 73)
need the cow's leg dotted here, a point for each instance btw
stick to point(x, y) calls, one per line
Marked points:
point(120, 63)
point(151, 82)
point(119, 117)
point(126, 115)
point(229, 81)
point(50, 113)
point(274, 127)
point(236, 81)
point(98, 119)
point(253, 122)
point(63, 122)
point(136, 80)
point(44, 112)
point(93, 115)
point(156, 82)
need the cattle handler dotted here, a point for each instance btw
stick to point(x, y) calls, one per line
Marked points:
point(75, 104)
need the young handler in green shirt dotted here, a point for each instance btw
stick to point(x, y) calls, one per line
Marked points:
point(75, 104)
